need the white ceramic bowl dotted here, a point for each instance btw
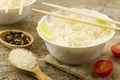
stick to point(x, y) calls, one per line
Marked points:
point(75, 55)
point(13, 14)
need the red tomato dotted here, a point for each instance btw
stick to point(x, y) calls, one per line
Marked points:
point(103, 67)
point(116, 49)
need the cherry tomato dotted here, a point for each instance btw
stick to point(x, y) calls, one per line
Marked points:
point(116, 49)
point(103, 67)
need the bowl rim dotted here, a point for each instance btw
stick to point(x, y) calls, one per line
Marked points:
point(33, 1)
point(102, 42)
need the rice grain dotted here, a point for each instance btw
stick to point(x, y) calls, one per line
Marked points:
point(22, 58)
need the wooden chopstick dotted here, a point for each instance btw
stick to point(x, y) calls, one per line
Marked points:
point(80, 13)
point(8, 6)
point(76, 20)
point(21, 7)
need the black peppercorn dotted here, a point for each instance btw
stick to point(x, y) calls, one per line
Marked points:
point(16, 38)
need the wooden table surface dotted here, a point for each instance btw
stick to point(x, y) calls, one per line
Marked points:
point(7, 72)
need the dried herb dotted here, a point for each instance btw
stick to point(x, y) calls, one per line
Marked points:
point(16, 38)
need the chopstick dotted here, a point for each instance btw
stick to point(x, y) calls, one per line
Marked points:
point(21, 7)
point(75, 20)
point(80, 13)
point(8, 6)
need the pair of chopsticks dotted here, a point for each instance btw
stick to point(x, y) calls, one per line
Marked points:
point(77, 20)
point(9, 3)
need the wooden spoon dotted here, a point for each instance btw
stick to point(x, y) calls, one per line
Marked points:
point(39, 74)
point(35, 70)
point(4, 32)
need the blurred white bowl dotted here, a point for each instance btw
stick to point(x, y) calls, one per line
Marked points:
point(13, 15)
point(75, 55)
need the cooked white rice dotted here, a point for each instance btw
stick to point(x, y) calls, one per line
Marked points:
point(22, 58)
point(68, 33)
point(14, 3)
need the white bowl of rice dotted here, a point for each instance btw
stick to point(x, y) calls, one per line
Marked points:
point(76, 43)
point(13, 14)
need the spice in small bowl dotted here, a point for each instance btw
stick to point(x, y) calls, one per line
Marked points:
point(15, 38)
